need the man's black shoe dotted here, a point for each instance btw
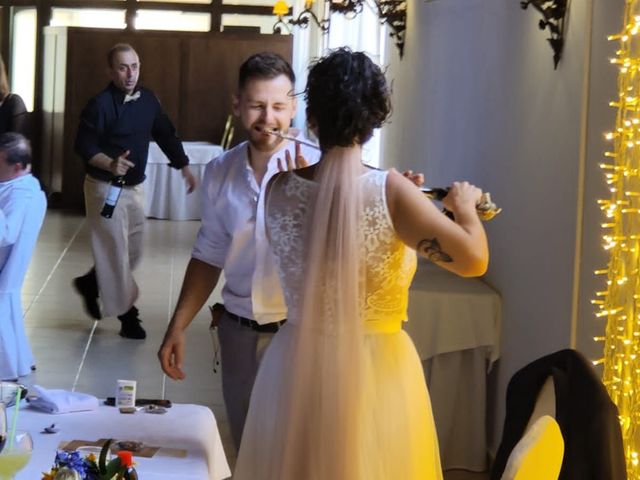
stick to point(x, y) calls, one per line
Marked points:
point(87, 287)
point(131, 327)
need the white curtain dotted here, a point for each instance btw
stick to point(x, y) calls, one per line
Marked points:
point(362, 33)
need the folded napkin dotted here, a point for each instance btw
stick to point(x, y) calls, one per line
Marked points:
point(62, 401)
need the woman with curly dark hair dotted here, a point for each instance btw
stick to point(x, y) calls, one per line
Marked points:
point(341, 394)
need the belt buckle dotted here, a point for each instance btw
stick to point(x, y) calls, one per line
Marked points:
point(278, 324)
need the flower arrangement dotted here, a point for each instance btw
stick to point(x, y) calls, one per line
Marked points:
point(71, 466)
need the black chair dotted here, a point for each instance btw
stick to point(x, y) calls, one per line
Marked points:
point(587, 417)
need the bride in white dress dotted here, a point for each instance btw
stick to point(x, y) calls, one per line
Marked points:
point(341, 394)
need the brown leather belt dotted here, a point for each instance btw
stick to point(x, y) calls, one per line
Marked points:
point(253, 325)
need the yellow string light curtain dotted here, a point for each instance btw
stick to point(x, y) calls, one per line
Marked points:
point(619, 302)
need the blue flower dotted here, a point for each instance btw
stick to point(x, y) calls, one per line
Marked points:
point(72, 460)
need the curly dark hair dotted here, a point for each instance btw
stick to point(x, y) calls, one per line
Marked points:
point(347, 98)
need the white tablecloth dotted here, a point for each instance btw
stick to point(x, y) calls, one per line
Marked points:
point(188, 427)
point(455, 325)
point(165, 191)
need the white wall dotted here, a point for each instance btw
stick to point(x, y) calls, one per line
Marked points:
point(602, 89)
point(476, 97)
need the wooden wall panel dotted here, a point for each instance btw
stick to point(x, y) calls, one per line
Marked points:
point(161, 69)
point(207, 104)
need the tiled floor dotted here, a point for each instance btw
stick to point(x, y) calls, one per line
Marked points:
point(59, 330)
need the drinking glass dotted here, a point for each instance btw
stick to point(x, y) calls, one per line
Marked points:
point(9, 391)
point(15, 455)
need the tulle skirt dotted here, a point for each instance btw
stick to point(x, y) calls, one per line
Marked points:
point(399, 440)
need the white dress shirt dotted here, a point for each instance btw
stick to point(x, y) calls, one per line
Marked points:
point(230, 237)
point(16, 198)
point(22, 210)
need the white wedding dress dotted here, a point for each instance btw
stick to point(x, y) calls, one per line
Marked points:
point(398, 437)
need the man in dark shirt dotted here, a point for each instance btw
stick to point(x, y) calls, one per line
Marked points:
point(113, 140)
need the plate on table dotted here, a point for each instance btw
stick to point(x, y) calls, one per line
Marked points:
point(129, 445)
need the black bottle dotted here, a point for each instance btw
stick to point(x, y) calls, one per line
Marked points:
point(438, 194)
point(435, 193)
point(112, 197)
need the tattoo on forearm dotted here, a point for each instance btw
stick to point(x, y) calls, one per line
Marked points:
point(433, 251)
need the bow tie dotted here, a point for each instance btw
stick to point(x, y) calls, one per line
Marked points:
point(131, 98)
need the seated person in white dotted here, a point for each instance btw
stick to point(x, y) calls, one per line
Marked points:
point(22, 209)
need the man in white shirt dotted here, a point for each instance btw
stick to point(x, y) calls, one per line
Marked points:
point(232, 238)
point(22, 210)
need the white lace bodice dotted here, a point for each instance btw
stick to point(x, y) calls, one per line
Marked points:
point(390, 264)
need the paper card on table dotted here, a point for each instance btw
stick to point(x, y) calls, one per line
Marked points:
point(71, 445)
point(145, 452)
point(172, 452)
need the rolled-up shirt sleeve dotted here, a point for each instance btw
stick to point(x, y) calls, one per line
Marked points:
point(89, 131)
point(213, 242)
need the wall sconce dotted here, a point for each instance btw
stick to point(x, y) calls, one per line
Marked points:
point(553, 13)
point(394, 14)
point(349, 8)
point(391, 12)
point(280, 9)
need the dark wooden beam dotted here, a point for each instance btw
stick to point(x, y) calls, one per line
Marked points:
point(5, 37)
point(130, 14)
point(43, 19)
point(215, 7)
point(216, 16)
